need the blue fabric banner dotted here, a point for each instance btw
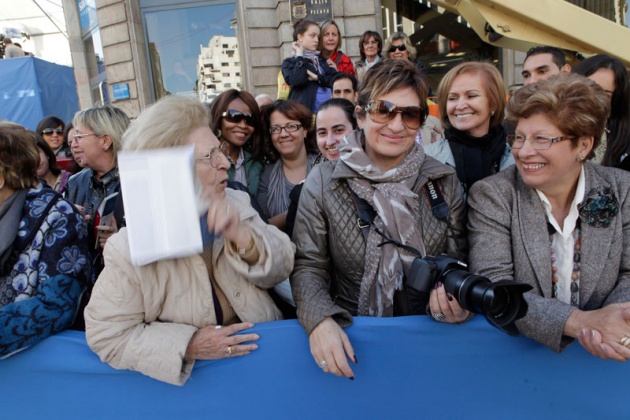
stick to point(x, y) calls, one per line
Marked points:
point(409, 368)
point(31, 89)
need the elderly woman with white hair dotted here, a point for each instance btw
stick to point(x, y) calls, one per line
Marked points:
point(159, 318)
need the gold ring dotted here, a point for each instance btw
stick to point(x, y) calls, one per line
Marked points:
point(625, 341)
point(229, 349)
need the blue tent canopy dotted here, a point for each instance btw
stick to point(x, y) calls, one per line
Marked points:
point(31, 89)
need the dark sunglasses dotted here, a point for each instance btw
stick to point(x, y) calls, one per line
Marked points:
point(397, 47)
point(236, 117)
point(49, 131)
point(384, 111)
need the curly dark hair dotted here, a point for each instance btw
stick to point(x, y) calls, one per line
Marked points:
point(294, 111)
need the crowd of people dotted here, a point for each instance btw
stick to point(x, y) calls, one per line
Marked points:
point(317, 207)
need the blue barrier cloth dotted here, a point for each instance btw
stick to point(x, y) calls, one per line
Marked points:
point(31, 89)
point(409, 368)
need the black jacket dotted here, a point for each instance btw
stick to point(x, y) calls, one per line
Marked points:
point(303, 90)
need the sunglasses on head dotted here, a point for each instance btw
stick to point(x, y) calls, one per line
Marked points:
point(49, 131)
point(400, 47)
point(236, 117)
point(384, 111)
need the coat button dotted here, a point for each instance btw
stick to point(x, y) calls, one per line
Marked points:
point(237, 294)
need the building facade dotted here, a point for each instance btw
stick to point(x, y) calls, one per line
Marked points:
point(133, 52)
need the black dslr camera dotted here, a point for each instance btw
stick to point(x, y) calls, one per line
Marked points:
point(501, 303)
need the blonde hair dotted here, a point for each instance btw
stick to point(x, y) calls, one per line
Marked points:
point(322, 28)
point(492, 83)
point(411, 49)
point(104, 120)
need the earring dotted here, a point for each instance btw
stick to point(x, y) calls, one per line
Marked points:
point(218, 133)
point(580, 158)
point(492, 113)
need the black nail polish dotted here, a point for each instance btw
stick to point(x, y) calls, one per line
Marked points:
point(355, 359)
point(450, 297)
point(351, 378)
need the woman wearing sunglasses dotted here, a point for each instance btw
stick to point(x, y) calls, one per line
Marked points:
point(236, 120)
point(472, 99)
point(48, 171)
point(558, 222)
point(291, 151)
point(307, 72)
point(340, 269)
point(370, 48)
point(51, 129)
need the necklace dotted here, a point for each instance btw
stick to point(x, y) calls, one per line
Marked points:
point(575, 274)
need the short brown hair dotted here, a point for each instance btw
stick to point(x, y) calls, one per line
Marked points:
point(492, 84)
point(390, 74)
point(577, 106)
point(19, 156)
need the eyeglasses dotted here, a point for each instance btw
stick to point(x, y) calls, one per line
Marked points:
point(538, 142)
point(384, 111)
point(49, 131)
point(79, 137)
point(215, 154)
point(367, 43)
point(236, 117)
point(400, 47)
point(289, 128)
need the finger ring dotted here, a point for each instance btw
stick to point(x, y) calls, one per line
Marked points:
point(625, 341)
point(217, 327)
point(229, 349)
point(322, 364)
point(439, 317)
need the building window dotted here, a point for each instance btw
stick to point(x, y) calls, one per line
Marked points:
point(177, 36)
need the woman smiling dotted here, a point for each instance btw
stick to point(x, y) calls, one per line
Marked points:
point(472, 99)
point(343, 269)
point(559, 223)
point(291, 150)
point(236, 120)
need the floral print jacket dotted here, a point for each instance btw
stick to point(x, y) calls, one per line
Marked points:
point(50, 270)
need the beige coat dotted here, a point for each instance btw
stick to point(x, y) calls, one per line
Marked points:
point(142, 318)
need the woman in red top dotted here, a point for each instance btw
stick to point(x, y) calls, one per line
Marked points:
point(329, 44)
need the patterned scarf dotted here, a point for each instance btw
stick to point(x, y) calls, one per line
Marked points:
point(397, 211)
point(314, 57)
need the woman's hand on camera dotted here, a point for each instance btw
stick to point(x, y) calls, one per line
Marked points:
point(444, 303)
point(217, 343)
point(331, 348)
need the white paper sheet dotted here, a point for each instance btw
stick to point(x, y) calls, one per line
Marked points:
point(160, 204)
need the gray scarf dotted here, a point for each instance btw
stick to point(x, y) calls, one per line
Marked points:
point(10, 216)
point(397, 212)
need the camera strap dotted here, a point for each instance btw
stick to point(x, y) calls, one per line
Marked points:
point(439, 208)
point(366, 220)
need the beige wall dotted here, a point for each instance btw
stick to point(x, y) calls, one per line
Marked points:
point(265, 28)
point(264, 31)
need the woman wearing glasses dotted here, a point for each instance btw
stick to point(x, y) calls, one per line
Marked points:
point(96, 141)
point(472, 100)
point(160, 318)
point(291, 150)
point(51, 129)
point(307, 72)
point(370, 47)
point(558, 222)
point(340, 269)
point(236, 120)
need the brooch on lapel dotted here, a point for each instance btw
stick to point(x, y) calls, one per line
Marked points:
point(599, 208)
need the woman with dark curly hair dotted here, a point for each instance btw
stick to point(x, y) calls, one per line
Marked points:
point(291, 150)
point(236, 121)
point(48, 170)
